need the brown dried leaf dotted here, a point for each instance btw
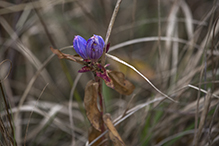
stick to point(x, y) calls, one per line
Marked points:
point(121, 85)
point(113, 134)
point(93, 134)
point(90, 103)
point(61, 55)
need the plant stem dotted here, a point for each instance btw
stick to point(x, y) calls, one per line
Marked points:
point(113, 18)
point(101, 101)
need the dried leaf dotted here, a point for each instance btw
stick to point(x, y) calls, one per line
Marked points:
point(113, 134)
point(61, 55)
point(93, 134)
point(121, 85)
point(90, 102)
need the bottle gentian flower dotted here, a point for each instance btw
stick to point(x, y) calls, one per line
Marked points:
point(91, 49)
point(94, 47)
point(79, 44)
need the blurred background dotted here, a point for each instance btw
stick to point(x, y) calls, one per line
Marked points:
point(174, 43)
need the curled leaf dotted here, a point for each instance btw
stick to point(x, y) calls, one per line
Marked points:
point(121, 85)
point(113, 134)
point(90, 103)
point(5, 69)
point(61, 55)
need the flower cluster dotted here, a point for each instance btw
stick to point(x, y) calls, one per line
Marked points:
point(91, 49)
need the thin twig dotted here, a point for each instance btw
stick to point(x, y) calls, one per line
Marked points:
point(204, 51)
point(204, 114)
point(148, 39)
point(33, 79)
point(214, 70)
point(129, 113)
point(32, 113)
point(91, 17)
point(4, 97)
point(29, 5)
point(70, 108)
point(4, 133)
point(159, 43)
point(177, 135)
point(45, 28)
point(128, 105)
point(133, 68)
point(113, 18)
point(101, 103)
point(8, 114)
point(6, 60)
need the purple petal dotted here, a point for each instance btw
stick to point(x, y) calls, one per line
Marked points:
point(79, 44)
point(94, 47)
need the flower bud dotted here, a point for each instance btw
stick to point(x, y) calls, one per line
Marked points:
point(94, 47)
point(79, 44)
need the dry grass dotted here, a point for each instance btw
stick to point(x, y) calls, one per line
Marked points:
point(173, 44)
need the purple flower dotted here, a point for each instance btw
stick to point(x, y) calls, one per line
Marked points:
point(91, 49)
point(79, 44)
point(94, 47)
